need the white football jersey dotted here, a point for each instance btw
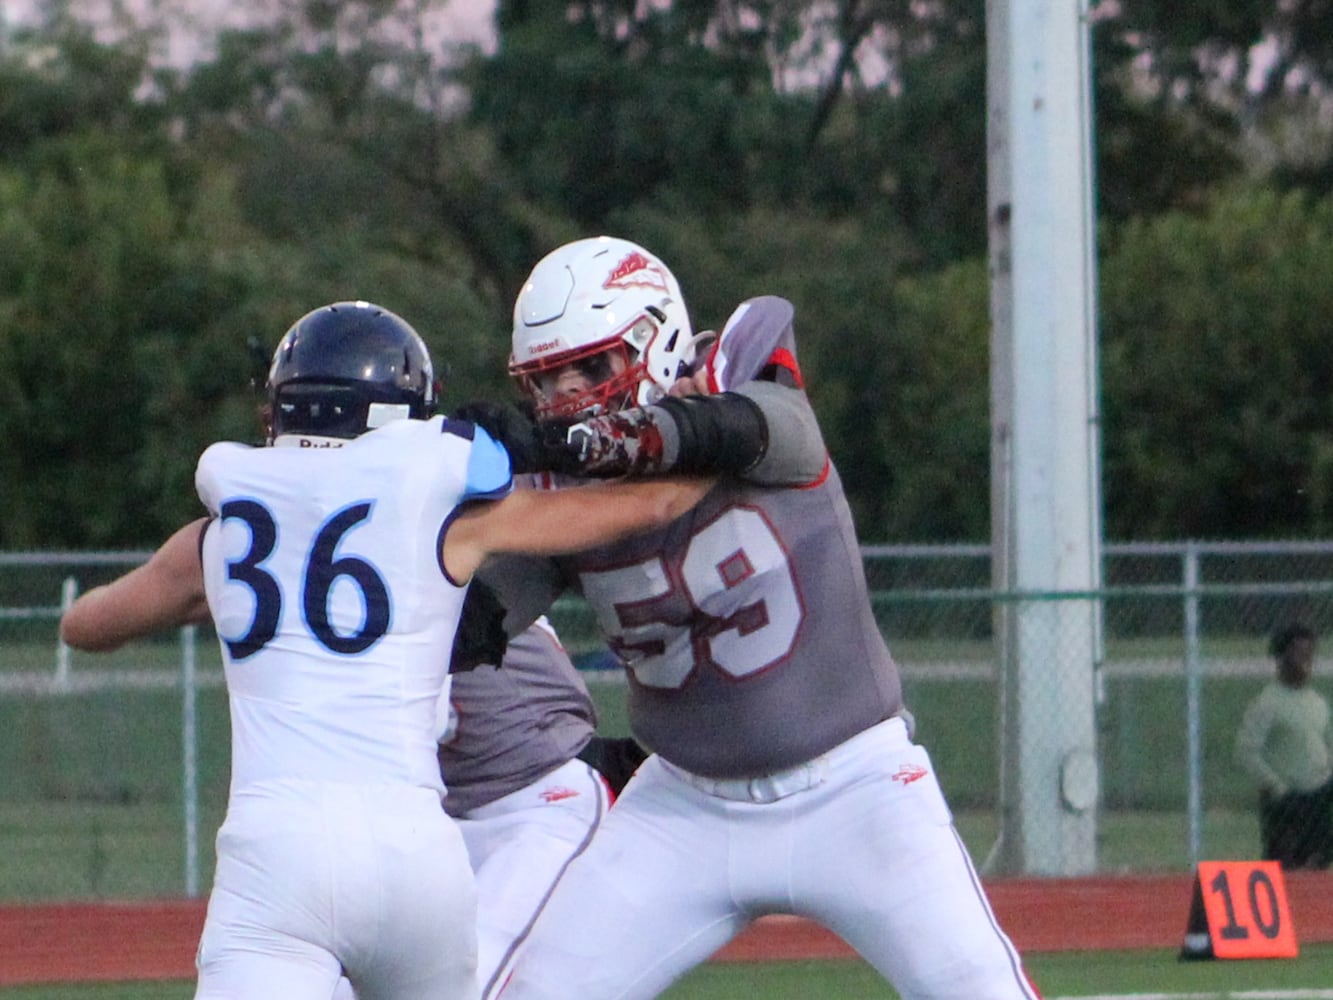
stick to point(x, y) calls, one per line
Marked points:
point(333, 610)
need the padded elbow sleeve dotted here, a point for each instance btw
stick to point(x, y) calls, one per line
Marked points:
point(722, 434)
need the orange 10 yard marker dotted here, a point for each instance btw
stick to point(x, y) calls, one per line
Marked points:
point(1239, 910)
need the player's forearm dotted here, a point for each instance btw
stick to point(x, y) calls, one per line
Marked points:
point(762, 432)
point(89, 625)
point(165, 592)
point(723, 434)
point(558, 522)
point(105, 618)
point(562, 521)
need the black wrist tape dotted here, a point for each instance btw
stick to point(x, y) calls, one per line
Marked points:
point(720, 434)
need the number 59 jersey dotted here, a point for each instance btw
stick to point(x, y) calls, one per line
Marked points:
point(746, 625)
point(746, 630)
point(334, 613)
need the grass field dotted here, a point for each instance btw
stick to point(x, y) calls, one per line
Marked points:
point(1064, 974)
point(133, 733)
point(92, 802)
point(91, 792)
point(59, 851)
point(91, 798)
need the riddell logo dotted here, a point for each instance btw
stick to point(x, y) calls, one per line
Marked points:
point(545, 345)
point(636, 271)
point(909, 773)
point(558, 793)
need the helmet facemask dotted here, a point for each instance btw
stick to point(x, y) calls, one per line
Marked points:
point(614, 377)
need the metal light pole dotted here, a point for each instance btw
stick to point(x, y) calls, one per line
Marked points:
point(1045, 483)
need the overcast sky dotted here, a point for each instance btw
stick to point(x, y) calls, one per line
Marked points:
point(458, 21)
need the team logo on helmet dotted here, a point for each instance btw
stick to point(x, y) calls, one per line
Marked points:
point(636, 271)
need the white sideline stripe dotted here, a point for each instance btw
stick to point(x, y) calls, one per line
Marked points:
point(43, 682)
point(1237, 995)
point(78, 681)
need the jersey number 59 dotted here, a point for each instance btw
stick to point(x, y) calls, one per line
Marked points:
point(727, 600)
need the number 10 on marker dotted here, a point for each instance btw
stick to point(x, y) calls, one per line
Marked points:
point(1246, 907)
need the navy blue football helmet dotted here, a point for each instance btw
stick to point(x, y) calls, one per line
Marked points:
point(347, 368)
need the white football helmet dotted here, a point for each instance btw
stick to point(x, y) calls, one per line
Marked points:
point(588, 302)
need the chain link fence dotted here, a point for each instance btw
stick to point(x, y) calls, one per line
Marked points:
point(114, 767)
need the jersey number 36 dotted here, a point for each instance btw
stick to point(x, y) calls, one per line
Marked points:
point(323, 568)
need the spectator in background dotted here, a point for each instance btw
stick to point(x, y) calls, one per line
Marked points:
point(1284, 744)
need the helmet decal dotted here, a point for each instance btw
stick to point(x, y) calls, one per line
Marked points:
point(637, 271)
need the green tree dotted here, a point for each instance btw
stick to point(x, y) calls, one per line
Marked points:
point(1258, 72)
point(57, 77)
point(154, 220)
point(339, 117)
point(133, 271)
point(110, 375)
point(597, 107)
point(1216, 384)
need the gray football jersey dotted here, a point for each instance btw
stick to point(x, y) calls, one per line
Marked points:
point(512, 724)
point(745, 626)
point(746, 629)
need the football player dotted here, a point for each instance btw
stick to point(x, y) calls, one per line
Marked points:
point(784, 777)
point(334, 566)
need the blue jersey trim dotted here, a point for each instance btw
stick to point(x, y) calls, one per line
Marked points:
point(489, 474)
point(460, 428)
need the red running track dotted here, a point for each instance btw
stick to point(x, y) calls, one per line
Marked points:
point(86, 942)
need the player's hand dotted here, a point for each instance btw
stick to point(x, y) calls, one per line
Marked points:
point(627, 442)
point(691, 385)
point(696, 382)
point(513, 428)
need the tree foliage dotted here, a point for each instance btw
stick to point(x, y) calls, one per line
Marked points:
point(113, 379)
point(1216, 380)
point(156, 218)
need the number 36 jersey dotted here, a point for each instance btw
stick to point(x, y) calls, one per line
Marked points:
point(334, 613)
